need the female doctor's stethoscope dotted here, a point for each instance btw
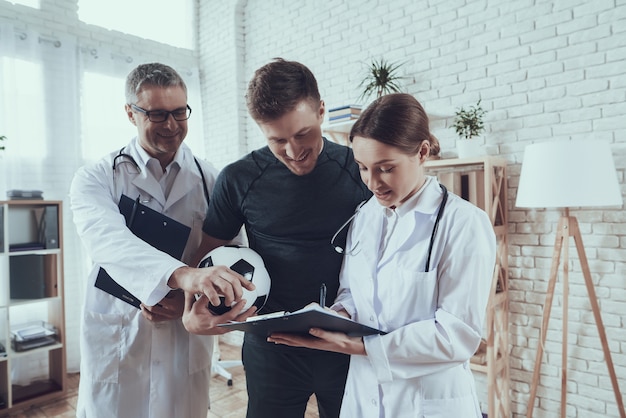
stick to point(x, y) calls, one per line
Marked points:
point(442, 206)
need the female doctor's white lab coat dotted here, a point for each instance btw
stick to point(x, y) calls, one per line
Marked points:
point(131, 367)
point(433, 319)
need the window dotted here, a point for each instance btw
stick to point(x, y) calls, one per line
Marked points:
point(24, 104)
point(105, 126)
point(163, 21)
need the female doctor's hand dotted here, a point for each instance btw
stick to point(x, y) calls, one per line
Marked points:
point(322, 340)
point(197, 318)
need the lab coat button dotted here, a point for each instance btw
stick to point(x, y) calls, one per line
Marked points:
point(372, 318)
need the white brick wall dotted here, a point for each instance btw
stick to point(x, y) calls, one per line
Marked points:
point(543, 69)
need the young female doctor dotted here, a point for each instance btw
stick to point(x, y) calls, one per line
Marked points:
point(418, 265)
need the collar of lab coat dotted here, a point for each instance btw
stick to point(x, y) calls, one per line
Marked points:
point(426, 201)
point(186, 180)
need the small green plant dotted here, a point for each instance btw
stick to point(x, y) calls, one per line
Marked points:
point(469, 123)
point(2, 138)
point(382, 78)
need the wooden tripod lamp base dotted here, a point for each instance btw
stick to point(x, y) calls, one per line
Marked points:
point(568, 227)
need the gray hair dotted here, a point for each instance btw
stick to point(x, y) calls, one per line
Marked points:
point(152, 74)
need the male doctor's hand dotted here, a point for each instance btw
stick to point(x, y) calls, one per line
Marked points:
point(197, 318)
point(169, 308)
point(212, 282)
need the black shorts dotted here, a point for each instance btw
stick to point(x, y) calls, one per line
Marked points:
point(281, 379)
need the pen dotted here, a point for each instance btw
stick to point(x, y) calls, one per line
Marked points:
point(323, 295)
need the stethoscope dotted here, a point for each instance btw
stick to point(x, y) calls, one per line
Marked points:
point(442, 206)
point(128, 159)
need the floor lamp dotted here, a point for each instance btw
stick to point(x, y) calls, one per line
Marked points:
point(569, 174)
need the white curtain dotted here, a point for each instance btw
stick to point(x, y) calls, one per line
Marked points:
point(39, 114)
point(39, 109)
point(62, 105)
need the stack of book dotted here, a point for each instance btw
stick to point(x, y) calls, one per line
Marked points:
point(344, 113)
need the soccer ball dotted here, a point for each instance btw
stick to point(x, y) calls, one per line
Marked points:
point(246, 262)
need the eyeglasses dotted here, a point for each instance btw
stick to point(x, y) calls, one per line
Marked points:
point(162, 115)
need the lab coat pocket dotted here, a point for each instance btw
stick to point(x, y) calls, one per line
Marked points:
point(456, 407)
point(102, 345)
point(413, 296)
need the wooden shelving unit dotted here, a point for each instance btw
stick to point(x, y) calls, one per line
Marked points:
point(339, 131)
point(31, 289)
point(482, 181)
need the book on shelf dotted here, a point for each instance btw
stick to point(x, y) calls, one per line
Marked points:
point(300, 321)
point(342, 118)
point(345, 109)
point(343, 113)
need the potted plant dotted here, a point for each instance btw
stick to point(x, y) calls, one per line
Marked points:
point(382, 78)
point(468, 124)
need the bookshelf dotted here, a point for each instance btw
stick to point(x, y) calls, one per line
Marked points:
point(483, 182)
point(31, 292)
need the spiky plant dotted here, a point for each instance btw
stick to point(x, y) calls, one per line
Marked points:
point(382, 78)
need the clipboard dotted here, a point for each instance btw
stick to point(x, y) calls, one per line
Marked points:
point(158, 230)
point(299, 322)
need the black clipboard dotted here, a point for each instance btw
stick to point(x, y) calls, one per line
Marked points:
point(299, 322)
point(158, 230)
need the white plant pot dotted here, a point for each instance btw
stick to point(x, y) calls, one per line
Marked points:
point(474, 147)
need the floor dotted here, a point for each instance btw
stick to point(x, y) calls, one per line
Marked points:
point(226, 401)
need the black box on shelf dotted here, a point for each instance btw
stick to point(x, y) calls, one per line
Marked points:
point(47, 223)
point(27, 277)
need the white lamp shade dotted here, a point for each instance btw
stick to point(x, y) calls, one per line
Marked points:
point(576, 173)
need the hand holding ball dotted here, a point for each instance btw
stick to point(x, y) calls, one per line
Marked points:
point(249, 264)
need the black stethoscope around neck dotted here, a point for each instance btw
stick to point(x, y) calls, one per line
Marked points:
point(442, 206)
point(125, 158)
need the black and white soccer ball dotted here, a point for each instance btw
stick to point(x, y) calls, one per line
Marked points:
point(249, 264)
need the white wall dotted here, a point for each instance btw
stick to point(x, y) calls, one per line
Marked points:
point(544, 70)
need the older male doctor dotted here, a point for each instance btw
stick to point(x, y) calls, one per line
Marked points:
point(143, 362)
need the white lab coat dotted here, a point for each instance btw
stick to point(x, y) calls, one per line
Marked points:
point(434, 320)
point(131, 367)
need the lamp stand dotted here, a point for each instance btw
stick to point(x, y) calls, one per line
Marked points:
point(568, 227)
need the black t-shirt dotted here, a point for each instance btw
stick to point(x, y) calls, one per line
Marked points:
point(289, 219)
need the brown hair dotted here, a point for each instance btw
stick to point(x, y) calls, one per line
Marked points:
point(278, 87)
point(398, 120)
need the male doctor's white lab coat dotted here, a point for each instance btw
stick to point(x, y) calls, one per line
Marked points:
point(131, 367)
point(434, 319)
